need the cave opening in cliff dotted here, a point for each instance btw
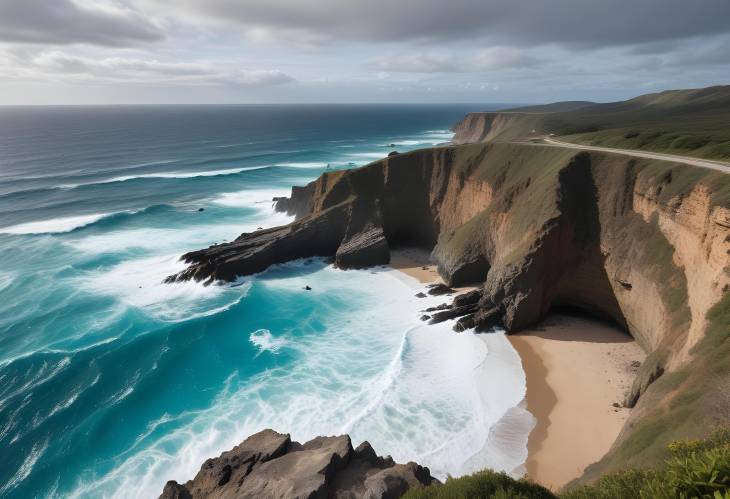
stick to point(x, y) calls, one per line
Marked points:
point(586, 291)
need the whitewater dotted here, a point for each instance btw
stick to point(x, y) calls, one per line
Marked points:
point(112, 382)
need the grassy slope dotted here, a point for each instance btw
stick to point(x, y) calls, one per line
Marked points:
point(692, 468)
point(687, 122)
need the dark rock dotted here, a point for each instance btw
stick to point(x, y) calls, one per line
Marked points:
point(201, 209)
point(174, 490)
point(425, 317)
point(468, 298)
point(443, 306)
point(393, 153)
point(308, 288)
point(439, 289)
point(420, 295)
point(452, 313)
point(365, 249)
point(299, 204)
point(269, 465)
point(487, 318)
point(616, 404)
point(464, 323)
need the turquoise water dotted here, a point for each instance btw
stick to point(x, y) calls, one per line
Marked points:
point(111, 382)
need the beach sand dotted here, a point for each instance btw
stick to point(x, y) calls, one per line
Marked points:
point(576, 369)
point(415, 262)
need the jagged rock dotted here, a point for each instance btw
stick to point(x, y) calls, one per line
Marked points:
point(468, 298)
point(420, 295)
point(425, 317)
point(452, 313)
point(439, 289)
point(464, 323)
point(299, 204)
point(269, 465)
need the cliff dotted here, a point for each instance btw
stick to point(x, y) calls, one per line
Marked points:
point(643, 243)
point(270, 464)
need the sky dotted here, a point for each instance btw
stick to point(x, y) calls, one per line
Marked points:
point(333, 51)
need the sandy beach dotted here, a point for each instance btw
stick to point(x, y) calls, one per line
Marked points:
point(576, 369)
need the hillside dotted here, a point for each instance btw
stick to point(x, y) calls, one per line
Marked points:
point(686, 122)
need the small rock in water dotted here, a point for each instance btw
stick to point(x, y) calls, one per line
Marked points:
point(425, 317)
point(420, 295)
point(308, 288)
point(439, 289)
point(259, 228)
point(201, 209)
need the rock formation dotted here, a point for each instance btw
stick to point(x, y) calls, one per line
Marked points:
point(643, 243)
point(270, 465)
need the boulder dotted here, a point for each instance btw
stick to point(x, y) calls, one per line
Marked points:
point(270, 465)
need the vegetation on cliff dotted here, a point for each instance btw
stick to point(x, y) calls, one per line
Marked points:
point(685, 122)
point(692, 469)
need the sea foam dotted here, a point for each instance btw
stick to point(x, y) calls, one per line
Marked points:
point(371, 369)
point(54, 225)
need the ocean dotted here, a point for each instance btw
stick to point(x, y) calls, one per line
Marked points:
point(112, 383)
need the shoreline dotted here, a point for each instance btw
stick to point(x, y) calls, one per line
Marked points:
point(576, 368)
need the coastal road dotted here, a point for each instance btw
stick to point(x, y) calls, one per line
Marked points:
point(702, 163)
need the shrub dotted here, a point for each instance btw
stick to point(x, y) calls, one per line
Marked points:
point(695, 469)
point(485, 484)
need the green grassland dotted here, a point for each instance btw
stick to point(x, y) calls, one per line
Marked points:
point(685, 122)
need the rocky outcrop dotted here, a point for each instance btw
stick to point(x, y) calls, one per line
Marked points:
point(270, 465)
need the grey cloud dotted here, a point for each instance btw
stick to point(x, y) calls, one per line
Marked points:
point(529, 22)
point(491, 59)
point(66, 22)
point(68, 67)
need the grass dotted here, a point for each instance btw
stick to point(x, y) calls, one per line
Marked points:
point(692, 469)
point(683, 122)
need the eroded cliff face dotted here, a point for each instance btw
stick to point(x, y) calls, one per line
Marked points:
point(643, 243)
point(498, 126)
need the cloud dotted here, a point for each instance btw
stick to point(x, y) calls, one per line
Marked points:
point(61, 66)
point(74, 21)
point(490, 59)
point(526, 22)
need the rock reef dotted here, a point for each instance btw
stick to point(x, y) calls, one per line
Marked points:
point(270, 465)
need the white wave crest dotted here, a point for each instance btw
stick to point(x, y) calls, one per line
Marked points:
point(266, 342)
point(54, 225)
point(205, 173)
point(25, 469)
point(304, 164)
